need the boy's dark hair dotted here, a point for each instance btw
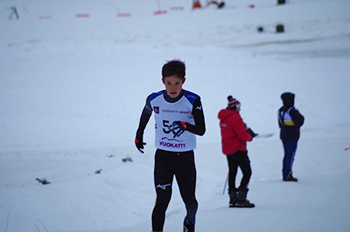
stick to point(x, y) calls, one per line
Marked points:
point(174, 67)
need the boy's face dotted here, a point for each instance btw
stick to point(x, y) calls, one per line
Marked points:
point(173, 85)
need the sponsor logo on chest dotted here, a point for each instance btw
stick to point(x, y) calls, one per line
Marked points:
point(171, 143)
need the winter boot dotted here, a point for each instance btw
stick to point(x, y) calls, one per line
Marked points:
point(242, 201)
point(233, 198)
point(291, 178)
point(189, 226)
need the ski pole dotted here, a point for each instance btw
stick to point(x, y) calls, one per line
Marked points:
point(223, 192)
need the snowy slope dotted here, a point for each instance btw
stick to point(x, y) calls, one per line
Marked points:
point(72, 90)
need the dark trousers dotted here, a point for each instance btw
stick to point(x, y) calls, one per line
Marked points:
point(290, 147)
point(239, 159)
point(182, 166)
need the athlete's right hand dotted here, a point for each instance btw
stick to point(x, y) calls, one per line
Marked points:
point(178, 128)
point(139, 144)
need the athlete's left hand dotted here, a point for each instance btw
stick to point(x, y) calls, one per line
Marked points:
point(178, 128)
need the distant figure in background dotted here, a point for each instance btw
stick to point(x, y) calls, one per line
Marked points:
point(196, 4)
point(289, 120)
point(218, 4)
point(13, 12)
point(234, 138)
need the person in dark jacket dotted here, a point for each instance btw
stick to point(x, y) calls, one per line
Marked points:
point(234, 138)
point(289, 120)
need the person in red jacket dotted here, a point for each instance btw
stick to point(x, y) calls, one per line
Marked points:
point(234, 138)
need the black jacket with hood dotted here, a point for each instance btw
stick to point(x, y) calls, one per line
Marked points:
point(290, 132)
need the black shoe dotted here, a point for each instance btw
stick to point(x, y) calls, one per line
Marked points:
point(244, 204)
point(291, 178)
point(189, 226)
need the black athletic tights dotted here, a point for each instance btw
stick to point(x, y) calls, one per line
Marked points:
point(182, 166)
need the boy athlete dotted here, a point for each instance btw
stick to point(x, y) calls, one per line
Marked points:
point(178, 117)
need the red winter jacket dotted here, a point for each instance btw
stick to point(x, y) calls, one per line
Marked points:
point(234, 135)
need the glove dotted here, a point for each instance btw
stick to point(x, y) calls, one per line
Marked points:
point(139, 144)
point(178, 128)
point(252, 133)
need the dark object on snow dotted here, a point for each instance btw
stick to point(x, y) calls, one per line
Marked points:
point(127, 159)
point(280, 2)
point(14, 12)
point(43, 181)
point(110, 156)
point(221, 5)
point(98, 171)
point(279, 28)
point(260, 29)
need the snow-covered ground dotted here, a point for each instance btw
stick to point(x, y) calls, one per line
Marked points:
point(72, 90)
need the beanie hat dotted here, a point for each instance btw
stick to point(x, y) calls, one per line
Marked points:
point(233, 103)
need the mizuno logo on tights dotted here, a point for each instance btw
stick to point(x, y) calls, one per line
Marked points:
point(163, 186)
